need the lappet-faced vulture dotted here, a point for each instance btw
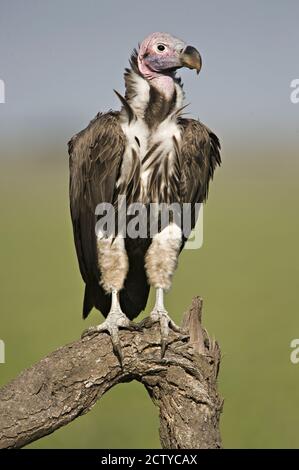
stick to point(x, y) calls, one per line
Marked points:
point(147, 154)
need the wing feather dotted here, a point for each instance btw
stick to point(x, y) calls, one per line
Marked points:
point(200, 154)
point(95, 158)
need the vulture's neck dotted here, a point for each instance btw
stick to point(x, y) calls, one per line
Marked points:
point(152, 100)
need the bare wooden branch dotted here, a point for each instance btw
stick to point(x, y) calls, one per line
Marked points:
point(69, 381)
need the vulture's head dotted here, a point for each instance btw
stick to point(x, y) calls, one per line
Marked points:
point(163, 54)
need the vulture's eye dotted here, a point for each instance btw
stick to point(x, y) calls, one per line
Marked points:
point(161, 47)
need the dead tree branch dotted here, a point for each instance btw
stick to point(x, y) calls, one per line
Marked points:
point(69, 381)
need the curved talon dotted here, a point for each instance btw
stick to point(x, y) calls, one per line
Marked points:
point(92, 331)
point(161, 316)
point(123, 323)
point(133, 326)
point(116, 344)
point(115, 320)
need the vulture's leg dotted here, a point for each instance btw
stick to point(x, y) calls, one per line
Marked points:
point(160, 262)
point(160, 314)
point(113, 262)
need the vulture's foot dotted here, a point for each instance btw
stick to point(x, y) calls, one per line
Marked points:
point(161, 316)
point(115, 320)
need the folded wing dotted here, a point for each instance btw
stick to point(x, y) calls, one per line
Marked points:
point(95, 158)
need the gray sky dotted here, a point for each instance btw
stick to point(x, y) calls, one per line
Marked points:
point(60, 60)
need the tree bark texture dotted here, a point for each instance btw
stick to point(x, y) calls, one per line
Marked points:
point(69, 381)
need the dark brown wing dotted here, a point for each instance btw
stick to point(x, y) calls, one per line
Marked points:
point(200, 154)
point(95, 157)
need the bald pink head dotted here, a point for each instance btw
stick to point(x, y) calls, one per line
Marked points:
point(160, 55)
point(163, 53)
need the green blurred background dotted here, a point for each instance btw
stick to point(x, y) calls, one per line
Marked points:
point(247, 270)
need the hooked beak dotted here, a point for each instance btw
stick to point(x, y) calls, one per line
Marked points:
point(190, 57)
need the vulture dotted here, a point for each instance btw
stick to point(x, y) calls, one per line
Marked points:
point(147, 153)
